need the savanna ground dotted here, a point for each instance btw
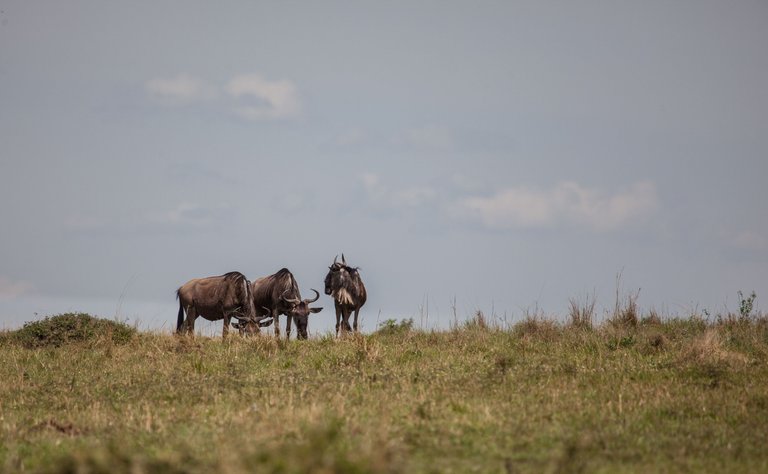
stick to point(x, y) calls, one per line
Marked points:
point(633, 394)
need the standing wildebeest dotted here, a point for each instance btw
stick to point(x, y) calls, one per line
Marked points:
point(346, 287)
point(214, 298)
point(278, 294)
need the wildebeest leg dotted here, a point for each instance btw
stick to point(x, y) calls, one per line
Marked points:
point(338, 318)
point(189, 324)
point(227, 319)
point(276, 319)
point(357, 312)
point(289, 320)
point(347, 313)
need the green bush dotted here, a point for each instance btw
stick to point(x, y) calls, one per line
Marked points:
point(746, 304)
point(391, 326)
point(55, 331)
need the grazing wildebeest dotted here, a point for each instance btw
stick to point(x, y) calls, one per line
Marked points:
point(278, 294)
point(346, 287)
point(247, 327)
point(214, 298)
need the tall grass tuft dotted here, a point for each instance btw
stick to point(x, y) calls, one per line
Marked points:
point(478, 321)
point(581, 315)
point(537, 326)
point(626, 313)
point(652, 318)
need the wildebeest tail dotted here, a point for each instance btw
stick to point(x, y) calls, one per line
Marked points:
point(180, 318)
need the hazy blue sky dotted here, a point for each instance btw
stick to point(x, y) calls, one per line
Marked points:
point(508, 154)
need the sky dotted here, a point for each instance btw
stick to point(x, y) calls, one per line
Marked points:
point(504, 157)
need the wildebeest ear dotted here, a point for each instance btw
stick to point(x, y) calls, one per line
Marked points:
point(315, 310)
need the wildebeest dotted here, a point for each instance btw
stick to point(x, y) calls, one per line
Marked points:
point(278, 294)
point(248, 327)
point(214, 298)
point(346, 287)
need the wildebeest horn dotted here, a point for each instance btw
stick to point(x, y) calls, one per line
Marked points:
point(289, 300)
point(343, 260)
point(334, 259)
point(317, 296)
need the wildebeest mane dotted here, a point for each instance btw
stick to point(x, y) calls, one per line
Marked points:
point(228, 277)
point(269, 290)
point(233, 276)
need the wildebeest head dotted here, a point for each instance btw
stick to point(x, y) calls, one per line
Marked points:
point(340, 276)
point(336, 275)
point(300, 312)
point(249, 327)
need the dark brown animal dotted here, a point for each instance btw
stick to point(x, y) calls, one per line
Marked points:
point(247, 327)
point(278, 294)
point(215, 298)
point(346, 287)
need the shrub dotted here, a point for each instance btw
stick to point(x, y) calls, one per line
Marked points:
point(55, 331)
point(746, 304)
point(391, 326)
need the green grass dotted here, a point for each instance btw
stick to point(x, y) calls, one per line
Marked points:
point(679, 395)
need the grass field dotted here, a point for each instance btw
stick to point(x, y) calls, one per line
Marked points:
point(627, 396)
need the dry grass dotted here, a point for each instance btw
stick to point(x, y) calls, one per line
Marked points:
point(680, 395)
point(709, 349)
point(626, 313)
point(581, 315)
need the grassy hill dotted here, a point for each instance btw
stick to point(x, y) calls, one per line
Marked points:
point(627, 396)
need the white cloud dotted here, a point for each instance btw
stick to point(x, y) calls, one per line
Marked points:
point(12, 289)
point(250, 95)
point(383, 196)
point(268, 99)
point(181, 90)
point(189, 215)
point(566, 203)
